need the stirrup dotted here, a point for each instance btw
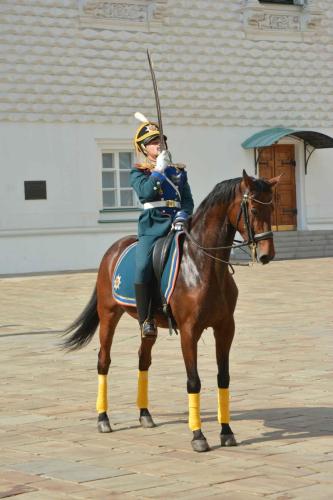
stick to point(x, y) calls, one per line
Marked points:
point(148, 328)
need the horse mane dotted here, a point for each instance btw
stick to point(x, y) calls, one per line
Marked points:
point(225, 192)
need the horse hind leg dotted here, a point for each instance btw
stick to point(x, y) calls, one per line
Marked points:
point(146, 346)
point(108, 322)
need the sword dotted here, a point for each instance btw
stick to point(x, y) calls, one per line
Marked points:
point(158, 106)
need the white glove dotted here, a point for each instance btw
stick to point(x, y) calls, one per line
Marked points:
point(178, 225)
point(179, 221)
point(163, 160)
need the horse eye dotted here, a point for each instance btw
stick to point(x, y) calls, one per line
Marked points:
point(254, 211)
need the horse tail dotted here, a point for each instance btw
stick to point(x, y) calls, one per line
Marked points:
point(83, 328)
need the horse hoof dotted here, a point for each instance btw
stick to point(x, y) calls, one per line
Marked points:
point(147, 422)
point(200, 445)
point(104, 426)
point(228, 440)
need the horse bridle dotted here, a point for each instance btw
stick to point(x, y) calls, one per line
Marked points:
point(244, 210)
point(252, 240)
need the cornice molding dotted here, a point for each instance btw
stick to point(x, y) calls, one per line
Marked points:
point(111, 145)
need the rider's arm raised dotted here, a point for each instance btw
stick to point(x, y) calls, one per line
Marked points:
point(146, 186)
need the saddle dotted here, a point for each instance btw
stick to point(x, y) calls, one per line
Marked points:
point(161, 254)
point(166, 261)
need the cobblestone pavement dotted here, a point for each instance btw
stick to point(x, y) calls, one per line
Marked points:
point(280, 387)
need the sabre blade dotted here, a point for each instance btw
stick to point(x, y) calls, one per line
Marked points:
point(157, 101)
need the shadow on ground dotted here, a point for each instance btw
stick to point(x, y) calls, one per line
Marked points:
point(290, 423)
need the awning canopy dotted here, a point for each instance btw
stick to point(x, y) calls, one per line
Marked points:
point(314, 140)
point(272, 135)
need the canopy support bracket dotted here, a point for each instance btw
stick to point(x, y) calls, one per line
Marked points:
point(257, 153)
point(307, 155)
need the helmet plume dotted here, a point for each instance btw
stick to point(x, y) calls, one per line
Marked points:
point(139, 116)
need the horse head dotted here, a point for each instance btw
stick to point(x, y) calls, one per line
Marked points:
point(251, 214)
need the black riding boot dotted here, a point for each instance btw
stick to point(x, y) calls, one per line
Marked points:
point(143, 304)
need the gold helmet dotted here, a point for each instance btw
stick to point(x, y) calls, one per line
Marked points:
point(146, 132)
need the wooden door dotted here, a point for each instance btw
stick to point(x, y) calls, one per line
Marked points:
point(273, 161)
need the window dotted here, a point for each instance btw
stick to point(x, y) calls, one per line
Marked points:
point(117, 192)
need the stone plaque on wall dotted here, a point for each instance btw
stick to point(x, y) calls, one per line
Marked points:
point(133, 15)
point(269, 21)
point(35, 190)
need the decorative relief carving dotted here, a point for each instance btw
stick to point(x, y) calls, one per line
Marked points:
point(142, 15)
point(111, 10)
point(277, 21)
point(312, 22)
point(274, 22)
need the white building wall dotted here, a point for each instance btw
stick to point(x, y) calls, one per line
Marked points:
point(222, 76)
point(319, 189)
point(213, 70)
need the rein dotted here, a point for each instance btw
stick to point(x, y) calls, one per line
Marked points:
point(252, 240)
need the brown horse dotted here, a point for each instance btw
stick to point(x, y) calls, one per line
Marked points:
point(205, 295)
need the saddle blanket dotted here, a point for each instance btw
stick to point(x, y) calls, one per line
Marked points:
point(123, 276)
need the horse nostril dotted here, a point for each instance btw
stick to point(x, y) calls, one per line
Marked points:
point(264, 259)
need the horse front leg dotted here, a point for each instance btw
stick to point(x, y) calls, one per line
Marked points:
point(142, 394)
point(108, 322)
point(223, 339)
point(189, 348)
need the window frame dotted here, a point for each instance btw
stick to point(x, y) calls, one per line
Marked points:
point(294, 3)
point(278, 2)
point(114, 146)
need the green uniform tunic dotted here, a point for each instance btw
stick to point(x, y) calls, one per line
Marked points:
point(154, 223)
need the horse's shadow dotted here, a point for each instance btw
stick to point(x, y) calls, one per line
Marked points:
point(283, 423)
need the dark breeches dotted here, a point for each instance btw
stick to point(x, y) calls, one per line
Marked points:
point(143, 259)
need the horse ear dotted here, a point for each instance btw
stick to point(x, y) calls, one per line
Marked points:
point(275, 180)
point(248, 181)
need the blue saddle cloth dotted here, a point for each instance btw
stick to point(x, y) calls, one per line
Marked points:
point(124, 272)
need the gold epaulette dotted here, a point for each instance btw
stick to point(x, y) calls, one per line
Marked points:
point(151, 166)
point(145, 166)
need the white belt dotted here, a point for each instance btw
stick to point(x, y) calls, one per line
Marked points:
point(160, 204)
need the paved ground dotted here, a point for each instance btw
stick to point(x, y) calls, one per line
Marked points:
point(281, 400)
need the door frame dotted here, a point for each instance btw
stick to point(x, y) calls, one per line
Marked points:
point(299, 181)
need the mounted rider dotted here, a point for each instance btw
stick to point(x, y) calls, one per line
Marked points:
point(163, 189)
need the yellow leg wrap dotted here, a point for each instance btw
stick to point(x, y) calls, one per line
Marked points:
point(223, 406)
point(142, 397)
point(194, 421)
point(102, 395)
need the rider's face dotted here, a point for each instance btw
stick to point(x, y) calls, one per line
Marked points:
point(153, 149)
